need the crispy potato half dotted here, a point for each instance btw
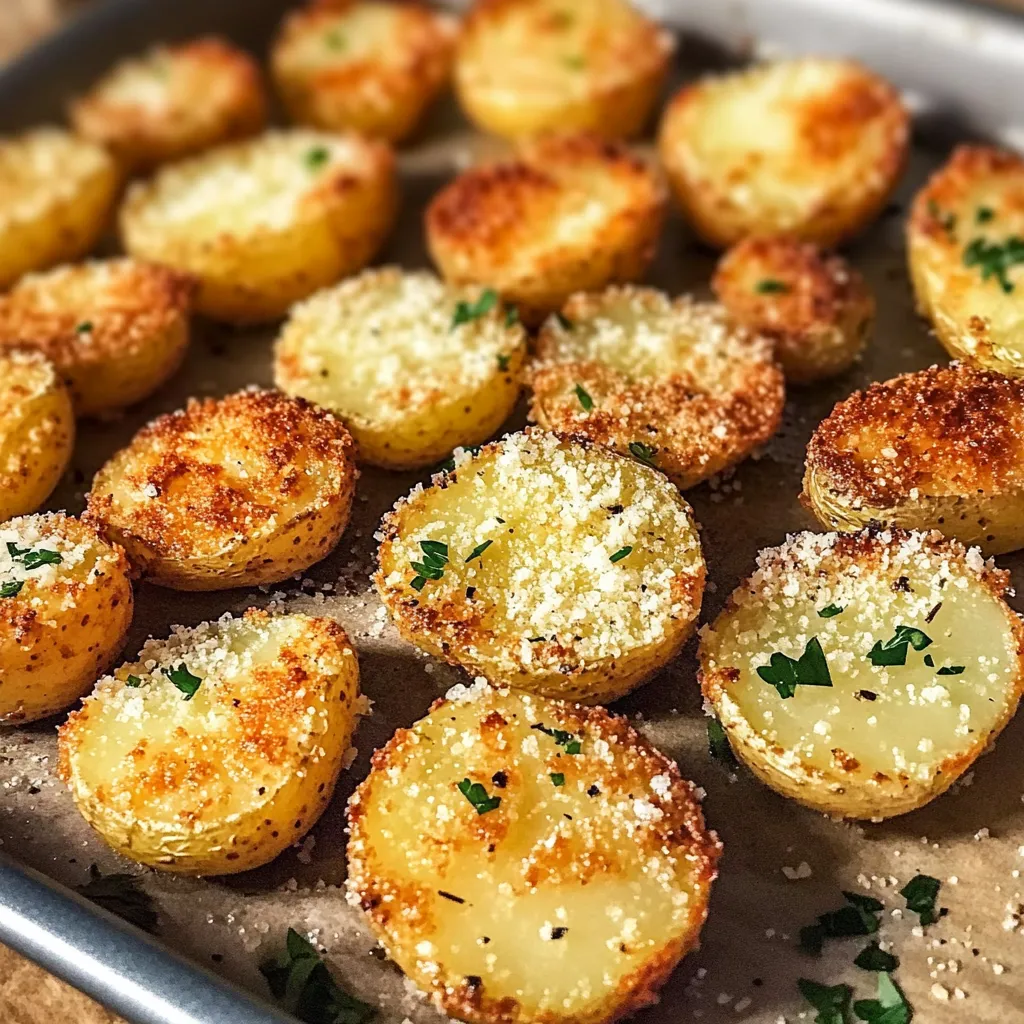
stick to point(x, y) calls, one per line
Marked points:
point(413, 366)
point(220, 746)
point(364, 65)
point(570, 213)
point(229, 492)
point(525, 67)
point(524, 859)
point(670, 381)
point(173, 101)
point(266, 222)
point(862, 674)
point(37, 431)
point(65, 609)
point(941, 448)
point(545, 563)
point(967, 259)
point(56, 195)
point(114, 329)
point(811, 147)
point(816, 308)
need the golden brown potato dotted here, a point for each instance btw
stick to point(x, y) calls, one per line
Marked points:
point(229, 492)
point(114, 329)
point(364, 65)
point(570, 213)
point(65, 609)
point(810, 147)
point(671, 381)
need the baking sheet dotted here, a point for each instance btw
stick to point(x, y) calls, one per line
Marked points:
point(783, 864)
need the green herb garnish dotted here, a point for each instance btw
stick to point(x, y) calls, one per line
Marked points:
point(950, 670)
point(584, 396)
point(503, 363)
point(718, 743)
point(133, 681)
point(929, 661)
point(894, 650)
point(984, 214)
point(771, 286)
point(183, 680)
point(122, 895)
point(621, 554)
point(859, 917)
point(467, 311)
point(921, 892)
point(891, 1006)
point(564, 739)
point(786, 674)
point(511, 316)
point(33, 559)
point(563, 321)
point(479, 550)
point(831, 1001)
point(557, 778)
point(12, 588)
point(947, 221)
point(994, 259)
point(84, 327)
point(829, 611)
point(316, 157)
point(435, 558)
point(477, 796)
point(873, 958)
point(643, 452)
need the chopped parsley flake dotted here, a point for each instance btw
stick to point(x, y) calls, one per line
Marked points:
point(994, 259)
point(564, 739)
point(467, 311)
point(84, 327)
point(563, 321)
point(621, 554)
point(786, 674)
point(183, 680)
point(557, 778)
point(947, 221)
point(133, 681)
point(479, 550)
point(950, 670)
point(435, 558)
point(33, 559)
point(718, 743)
point(891, 1006)
point(829, 611)
point(477, 796)
point(831, 1001)
point(921, 892)
point(643, 452)
point(894, 650)
point(11, 588)
point(873, 958)
point(316, 157)
point(984, 214)
point(859, 917)
point(929, 661)
point(503, 363)
point(511, 316)
point(771, 286)
point(584, 396)
point(123, 895)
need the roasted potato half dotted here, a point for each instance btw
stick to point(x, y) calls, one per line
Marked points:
point(220, 746)
point(414, 367)
point(173, 101)
point(966, 257)
point(229, 492)
point(266, 222)
point(65, 609)
point(670, 381)
point(365, 65)
point(56, 195)
point(525, 67)
point(524, 859)
point(114, 329)
point(811, 147)
point(815, 306)
point(545, 563)
point(862, 674)
point(570, 213)
point(37, 431)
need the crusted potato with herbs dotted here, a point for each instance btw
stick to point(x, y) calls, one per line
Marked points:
point(114, 329)
point(414, 367)
point(568, 214)
point(65, 609)
point(670, 381)
point(265, 222)
point(172, 101)
point(816, 308)
point(56, 195)
point(545, 563)
point(525, 67)
point(811, 146)
point(229, 492)
point(365, 65)
point(862, 674)
point(218, 747)
point(524, 859)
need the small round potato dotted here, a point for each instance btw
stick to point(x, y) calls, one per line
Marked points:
point(814, 306)
point(811, 147)
point(548, 564)
point(220, 746)
point(414, 367)
point(65, 609)
point(37, 431)
point(114, 329)
point(528, 860)
point(965, 254)
point(862, 674)
point(670, 381)
point(173, 101)
point(266, 222)
point(570, 214)
point(525, 67)
point(229, 492)
point(56, 196)
point(941, 448)
point(364, 65)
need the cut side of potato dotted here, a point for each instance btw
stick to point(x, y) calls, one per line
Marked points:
point(814, 305)
point(526, 67)
point(266, 222)
point(671, 381)
point(65, 609)
point(941, 448)
point(547, 564)
point(114, 329)
point(220, 746)
point(570, 213)
point(525, 860)
point(862, 674)
point(229, 492)
point(414, 367)
point(811, 147)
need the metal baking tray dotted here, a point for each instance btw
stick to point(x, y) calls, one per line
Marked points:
point(962, 69)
